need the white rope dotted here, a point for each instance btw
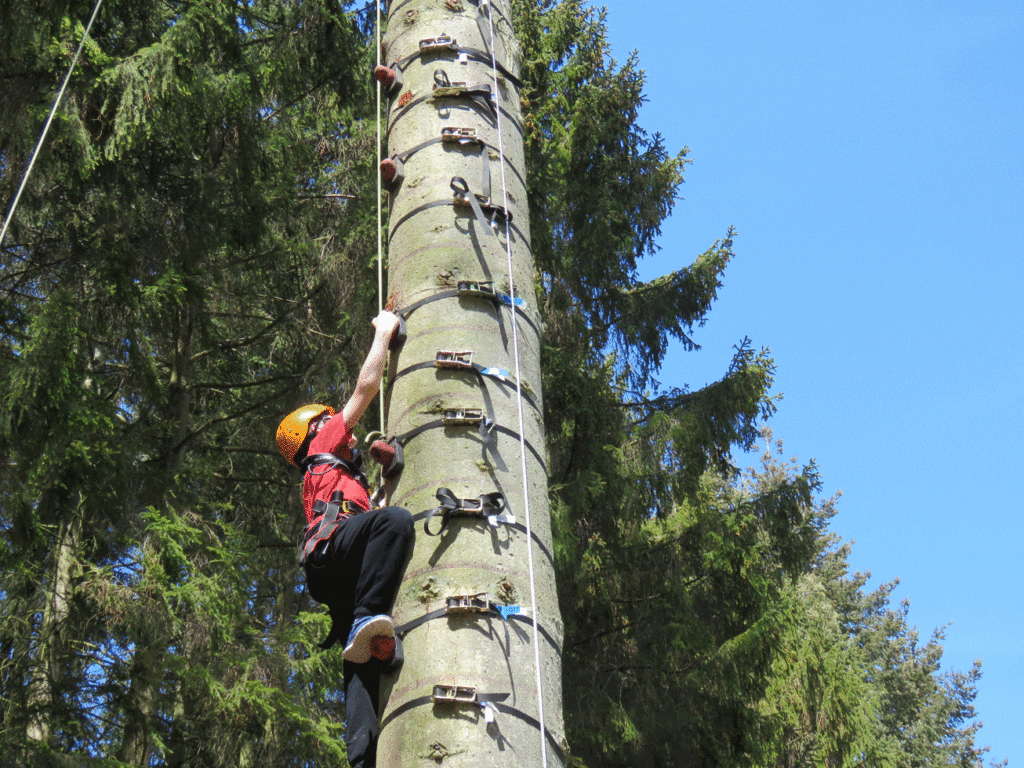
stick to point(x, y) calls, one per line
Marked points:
point(46, 128)
point(519, 400)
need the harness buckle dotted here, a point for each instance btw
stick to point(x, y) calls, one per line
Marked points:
point(447, 358)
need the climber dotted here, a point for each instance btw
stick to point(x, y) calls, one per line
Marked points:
point(354, 557)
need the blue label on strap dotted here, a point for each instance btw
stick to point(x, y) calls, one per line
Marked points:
point(508, 300)
point(507, 610)
point(498, 373)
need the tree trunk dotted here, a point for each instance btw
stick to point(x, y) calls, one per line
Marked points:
point(433, 245)
point(52, 651)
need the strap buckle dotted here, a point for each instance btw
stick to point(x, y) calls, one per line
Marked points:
point(454, 694)
point(458, 135)
point(439, 43)
point(481, 288)
point(447, 358)
point(478, 603)
point(462, 604)
point(462, 416)
point(485, 289)
point(467, 694)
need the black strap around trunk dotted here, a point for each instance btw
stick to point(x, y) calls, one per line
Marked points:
point(493, 700)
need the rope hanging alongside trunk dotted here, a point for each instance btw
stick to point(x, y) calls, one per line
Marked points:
point(519, 402)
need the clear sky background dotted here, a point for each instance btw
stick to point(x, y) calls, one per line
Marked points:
point(871, 157)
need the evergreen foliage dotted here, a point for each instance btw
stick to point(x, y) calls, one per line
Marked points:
point(182, 270)
point(193, 258)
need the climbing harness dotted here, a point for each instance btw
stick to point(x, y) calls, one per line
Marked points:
point(318, 536)
point(332, 514)
point(352, 467)
point(338, 509)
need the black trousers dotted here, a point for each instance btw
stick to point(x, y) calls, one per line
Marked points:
point(362, 568)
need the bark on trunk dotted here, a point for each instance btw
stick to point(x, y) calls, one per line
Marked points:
point(433, 245)
point(52, 648)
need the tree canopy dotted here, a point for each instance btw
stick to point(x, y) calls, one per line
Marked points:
point(194, 256)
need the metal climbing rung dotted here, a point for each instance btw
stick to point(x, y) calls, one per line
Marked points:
point(439, 43)
point(460, 135)
point(456, 416)
point(454, 694)
point(477, 603)
point(447, 358)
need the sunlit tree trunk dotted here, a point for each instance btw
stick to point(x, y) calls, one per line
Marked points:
point(433, 246)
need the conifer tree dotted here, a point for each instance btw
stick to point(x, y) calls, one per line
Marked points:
point(192, 258)
point(179, 272)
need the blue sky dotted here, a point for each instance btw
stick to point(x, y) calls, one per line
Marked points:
point(871, 157)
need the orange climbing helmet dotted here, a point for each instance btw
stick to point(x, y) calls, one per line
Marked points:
point(292, 431)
